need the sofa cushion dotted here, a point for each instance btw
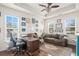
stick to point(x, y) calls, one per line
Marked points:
point(54, 39)
point(57, 36)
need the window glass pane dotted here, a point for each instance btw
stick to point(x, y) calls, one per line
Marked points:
point(15, 22)
point(8, 18)
point(15, 19)
point(70, 22)
point(15, 25)
point(9, 21)
point(12, 26)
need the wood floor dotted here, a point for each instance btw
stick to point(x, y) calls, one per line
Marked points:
point(45, 50)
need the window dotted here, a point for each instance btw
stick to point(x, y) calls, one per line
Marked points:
point(11, 26)
point(9, 21)
point(12, 22)
point(70, 25)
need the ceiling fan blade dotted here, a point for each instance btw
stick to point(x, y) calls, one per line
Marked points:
point(43, 10)
point(54, 6)
point(42, 5)
point(49, 4)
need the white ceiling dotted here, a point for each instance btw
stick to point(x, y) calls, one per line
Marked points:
point(35, 9)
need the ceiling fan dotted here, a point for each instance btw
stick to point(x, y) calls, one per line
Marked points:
point(48, 7)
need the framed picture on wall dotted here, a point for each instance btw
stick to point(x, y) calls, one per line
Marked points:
point(58, 26)
point(36, 21)
point(33, 21)
point(51, 30)
point(28, 20)
point(36, 25)
point(23, 19)
point(23, 29)
point(36, 30)
point(23, 24)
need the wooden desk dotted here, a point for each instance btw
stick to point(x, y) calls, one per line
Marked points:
point(32, 45)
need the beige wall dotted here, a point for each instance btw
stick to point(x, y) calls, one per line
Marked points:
point(40, 25)
point(8, 11)
point(74, 14)
point(63, 17)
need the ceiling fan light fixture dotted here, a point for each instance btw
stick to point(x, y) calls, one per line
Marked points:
point(48, 7)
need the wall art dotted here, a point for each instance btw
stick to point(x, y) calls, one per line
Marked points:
point(23, 19)
point(51, 28)
point(36, 25)
point(33, 21)
point(36, 21)
point(23, 29)
point(23, 23)
point(58, 26)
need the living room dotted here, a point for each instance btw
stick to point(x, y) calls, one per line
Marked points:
point(55, 28)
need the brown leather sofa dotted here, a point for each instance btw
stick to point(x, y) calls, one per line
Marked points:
point(57, 39)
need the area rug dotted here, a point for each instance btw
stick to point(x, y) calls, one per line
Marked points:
point(56, 50)
point(45, 50)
